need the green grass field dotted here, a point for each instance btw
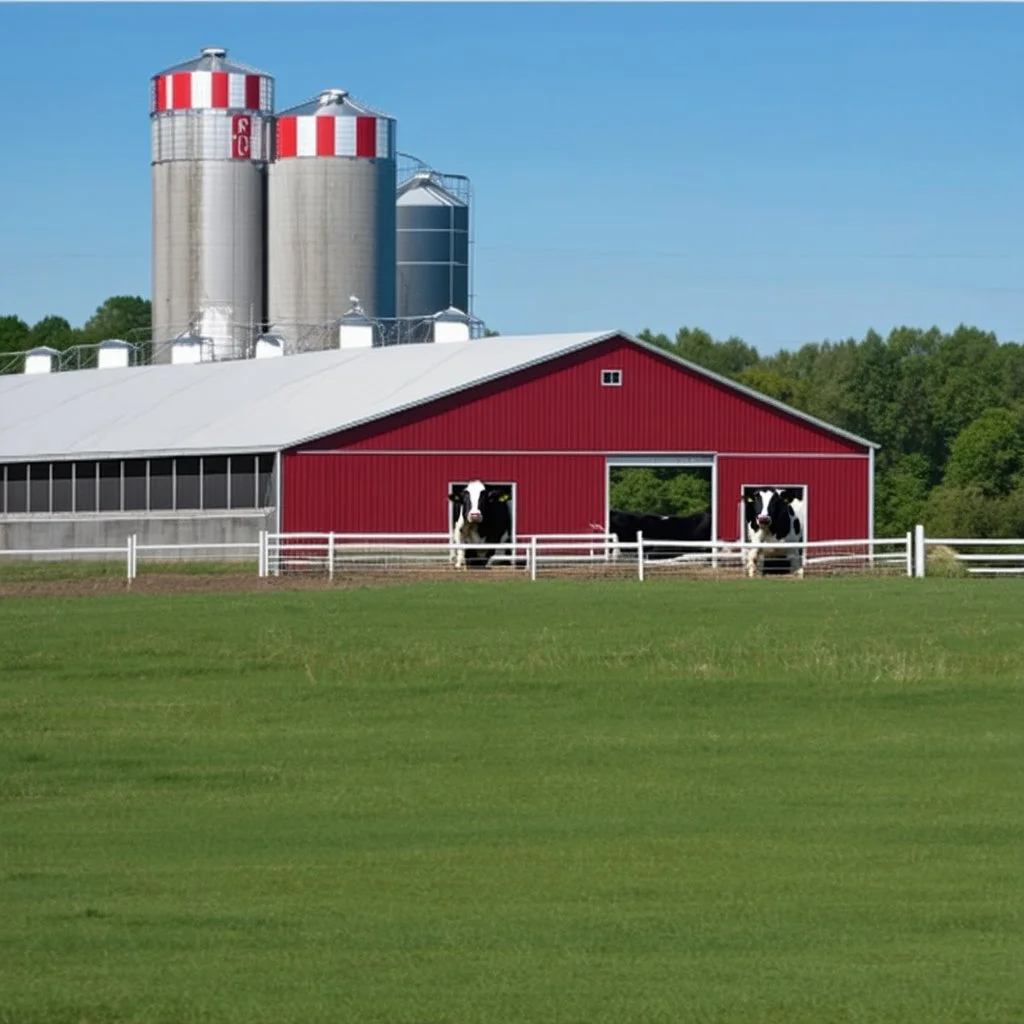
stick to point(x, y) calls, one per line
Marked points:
point(733, 801)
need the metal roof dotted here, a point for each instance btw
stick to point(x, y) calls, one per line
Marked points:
point(333, 103)
point(258, 405)
point(422, 190)
point(211, 58)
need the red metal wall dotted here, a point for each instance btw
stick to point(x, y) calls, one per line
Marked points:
point(373, 493)
point(549, 430)
point(838, 493)
point(561, 406)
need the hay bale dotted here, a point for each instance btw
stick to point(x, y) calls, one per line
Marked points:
point(941, 561)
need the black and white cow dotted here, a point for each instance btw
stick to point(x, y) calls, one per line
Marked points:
point(626, 525)
point(482, 516)
point(772, 516)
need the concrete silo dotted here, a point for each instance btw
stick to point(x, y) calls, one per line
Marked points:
point(211, 124)
point(433, 243)
point(330, 217)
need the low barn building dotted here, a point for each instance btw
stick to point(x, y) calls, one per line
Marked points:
point(372, 440)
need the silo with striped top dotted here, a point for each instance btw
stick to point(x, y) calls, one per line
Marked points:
point(331, 217)
point(211, 128)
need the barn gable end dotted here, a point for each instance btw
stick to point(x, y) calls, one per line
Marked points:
point(661, 405)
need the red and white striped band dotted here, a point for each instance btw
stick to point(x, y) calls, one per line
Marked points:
point(335, 136)
point(211, 90)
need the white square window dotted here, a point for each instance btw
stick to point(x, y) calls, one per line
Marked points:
point(611, 378)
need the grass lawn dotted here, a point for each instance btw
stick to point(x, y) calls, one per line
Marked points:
point(735, 801)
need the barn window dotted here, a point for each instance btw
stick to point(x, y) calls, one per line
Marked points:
point(17, 488)
point(187, 490)
point(85, 486)
point(266, 484)
point(611, 378)
point(135, 485)
point(110, 486)
point(215, 481)
point(39, 487)
point(161, 484)
point(62, 487)
point(243, 481)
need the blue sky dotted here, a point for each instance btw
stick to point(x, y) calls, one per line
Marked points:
point(781, 172)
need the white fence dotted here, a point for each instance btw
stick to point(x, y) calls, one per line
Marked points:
point(995, 557)
point(335, 553)
point(344, 554)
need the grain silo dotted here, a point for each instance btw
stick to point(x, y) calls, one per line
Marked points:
point(433, 243)
point(211, 122)
point(330, 217)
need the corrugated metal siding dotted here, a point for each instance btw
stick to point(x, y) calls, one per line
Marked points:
point(356, 493)
point(562, 406)
point(838, 493)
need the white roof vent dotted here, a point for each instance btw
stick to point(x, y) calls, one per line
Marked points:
point(269, 346)
point(40, 359)
point(113, 353)
point(357, 329)
point(450, 325)
point(187, 349)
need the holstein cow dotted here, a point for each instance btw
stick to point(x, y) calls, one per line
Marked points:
point(774, 516)
point(626, 525)
point(483, 518)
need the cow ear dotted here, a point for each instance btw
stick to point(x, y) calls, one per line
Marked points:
point(748, 499)
point(454, 495)
point(504, 497)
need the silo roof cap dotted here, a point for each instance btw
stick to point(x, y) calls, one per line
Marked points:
point(213, 58)
point(333, 103)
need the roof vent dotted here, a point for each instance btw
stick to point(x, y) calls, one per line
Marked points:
point(329, 96)
point(450, 325)
point(40, 359)
point(357, 330)
point(214, 51)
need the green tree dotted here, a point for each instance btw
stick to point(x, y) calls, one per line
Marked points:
point(901, 494)
point(14, 334)
point(660, 491)
point(53, 331)
point(127, 317)
point(988, 453)
point(728, 358)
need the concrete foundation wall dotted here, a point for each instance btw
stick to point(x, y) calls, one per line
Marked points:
point(40, 532)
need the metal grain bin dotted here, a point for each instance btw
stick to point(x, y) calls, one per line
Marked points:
point(211, 125)
point(331, 217)
point(433, 240)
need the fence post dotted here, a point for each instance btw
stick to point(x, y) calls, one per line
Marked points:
point(910, 554)
point(132, 556)
point(919, 551)
point(533, 558)
point(261, 558)
point(640, 554)
point(330, 555)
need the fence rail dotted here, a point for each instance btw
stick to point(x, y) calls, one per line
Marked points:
point(330, 554)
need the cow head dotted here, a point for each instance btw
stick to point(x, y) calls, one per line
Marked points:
point(768, 510)
point(474, 499)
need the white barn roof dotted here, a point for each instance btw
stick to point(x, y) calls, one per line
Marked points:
point(259, 405)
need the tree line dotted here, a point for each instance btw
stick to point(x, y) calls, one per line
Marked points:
point(127, 317)
point(947, 409)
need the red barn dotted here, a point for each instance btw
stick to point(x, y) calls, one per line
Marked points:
point(551, 415)
point(369, 440)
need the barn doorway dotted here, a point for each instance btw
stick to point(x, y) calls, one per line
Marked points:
point(775, 566)
point(503, 488)
point(662, 485)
